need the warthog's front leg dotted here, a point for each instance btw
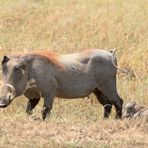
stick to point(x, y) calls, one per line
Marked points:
point(31, 105)
point(48, 102)
point(33, 96)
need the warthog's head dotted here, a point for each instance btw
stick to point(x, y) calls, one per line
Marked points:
point(131, 108)
point(15, 77)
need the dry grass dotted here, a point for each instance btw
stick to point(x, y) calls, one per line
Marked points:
point(24, 132)
point(66, 26)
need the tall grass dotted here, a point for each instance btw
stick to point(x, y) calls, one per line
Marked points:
point(66, 26)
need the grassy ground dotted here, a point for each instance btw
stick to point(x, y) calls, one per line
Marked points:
point(66, 26)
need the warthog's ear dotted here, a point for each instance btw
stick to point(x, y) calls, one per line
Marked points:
point(134, 103)
point(5, 60)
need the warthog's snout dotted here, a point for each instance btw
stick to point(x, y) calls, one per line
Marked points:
point(128, 115)
point(4, 102)
point(8, 96)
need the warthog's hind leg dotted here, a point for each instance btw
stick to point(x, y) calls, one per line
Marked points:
point(118, 106)
point(104, 101)
point(110, 91)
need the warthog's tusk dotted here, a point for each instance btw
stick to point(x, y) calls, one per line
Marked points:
point(12, 89)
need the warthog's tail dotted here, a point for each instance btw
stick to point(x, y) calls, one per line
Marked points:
point(113, 58)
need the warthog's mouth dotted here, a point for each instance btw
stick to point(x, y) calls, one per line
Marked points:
point(129, 115)
point(3, 102)
point(3, 105)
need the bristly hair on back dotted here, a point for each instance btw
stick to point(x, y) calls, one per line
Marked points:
point(51, 56)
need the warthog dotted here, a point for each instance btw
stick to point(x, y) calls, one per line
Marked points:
point(132, 109)
point(48, 75)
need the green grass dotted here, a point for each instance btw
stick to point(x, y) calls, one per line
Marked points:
point(66, 26)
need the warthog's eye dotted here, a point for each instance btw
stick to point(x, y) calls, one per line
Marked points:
point(19, 69)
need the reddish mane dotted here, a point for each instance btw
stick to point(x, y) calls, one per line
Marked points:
point(51, 56)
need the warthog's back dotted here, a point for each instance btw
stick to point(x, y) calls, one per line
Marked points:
point(80, 74)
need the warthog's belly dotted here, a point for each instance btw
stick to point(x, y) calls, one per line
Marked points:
point(76, 85)
point(75, 92)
